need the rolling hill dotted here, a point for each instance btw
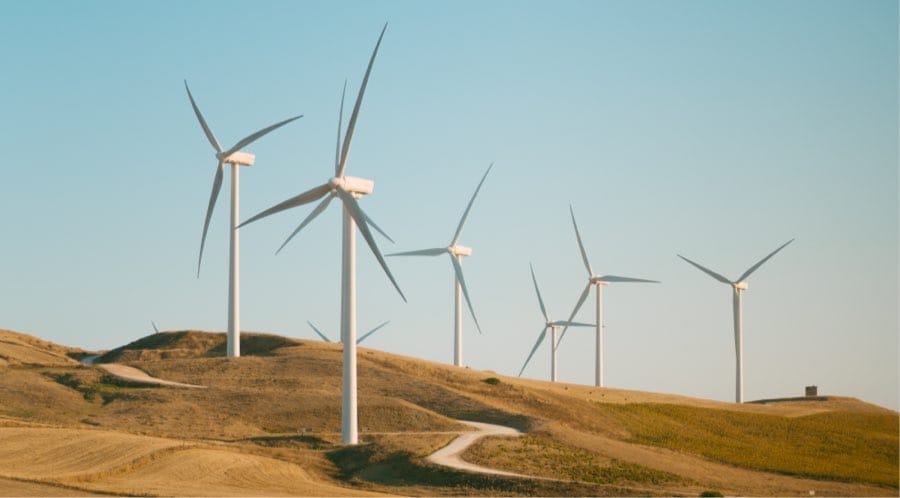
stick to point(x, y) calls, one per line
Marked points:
point(268, 424)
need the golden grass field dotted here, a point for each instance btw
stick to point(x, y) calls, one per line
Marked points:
point(268, 424)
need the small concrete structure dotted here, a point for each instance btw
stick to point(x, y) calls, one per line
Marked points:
point(812, 390)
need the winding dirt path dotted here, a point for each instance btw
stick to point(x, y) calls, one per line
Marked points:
point(132, 374)
point(448, 456)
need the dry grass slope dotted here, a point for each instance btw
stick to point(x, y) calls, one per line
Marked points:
point(108, 462)
point(23, 349)
point(269, 423)
point(832, 445)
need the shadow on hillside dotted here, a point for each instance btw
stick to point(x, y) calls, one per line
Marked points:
point(462, 408)
point(310, 442)
point(457, 405)
point(194, 344)
point(371, 463)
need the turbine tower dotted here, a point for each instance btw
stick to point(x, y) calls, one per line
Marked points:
point(552, 325)
point(598, 282)
point(738, 287)
point(359, 340)
point(348, 189)
point(236, 158)
point(456, 253)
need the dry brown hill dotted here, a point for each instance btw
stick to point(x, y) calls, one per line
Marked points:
point(278, 408)
point(23, 349)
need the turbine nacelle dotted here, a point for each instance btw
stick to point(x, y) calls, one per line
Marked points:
point(458, 250)
point(598, 280)
point(352, 184)
point(741, 286)
point(239, 158)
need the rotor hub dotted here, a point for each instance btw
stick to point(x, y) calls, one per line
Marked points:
point(458, 250)
point(336, 182)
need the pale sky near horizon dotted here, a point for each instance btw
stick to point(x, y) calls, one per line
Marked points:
point(715, 130)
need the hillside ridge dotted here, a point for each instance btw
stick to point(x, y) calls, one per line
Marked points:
point(282, 400)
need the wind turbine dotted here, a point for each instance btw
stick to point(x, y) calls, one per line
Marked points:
point(738, 287)
point(456, 253)
point(552, 325)
point(597, 281)
point(155, 328)
point(235, 157)
point(348, 189)
point(361, 338)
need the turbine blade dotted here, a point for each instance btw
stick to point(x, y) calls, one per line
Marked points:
point(217, 186)
point(437, 251)
point(536, 344)
point(565, 323)
point(584, 257)
point(757, 265)
point(323, 336)
point(584, 295)
point(709, 272)
point(206, 130)
point(337, 146)
point(462, 221)
point(378, 229)
point(613, 278)
point(249, 139)
point(315, 212)
point(538, 292)
point(360, 217)
point(367, 334)
point(457, 267)
point(155, 328)
point(310, 195)
point(345, 150)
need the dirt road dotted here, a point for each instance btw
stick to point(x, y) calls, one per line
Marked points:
point(448, 456)
point(132, 374)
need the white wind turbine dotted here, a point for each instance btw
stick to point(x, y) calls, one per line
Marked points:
point(456, 253)
point(235, 157)
point(359, 340)
point(738, 287)
point(552, 325)
point(597, 281)
point(348, 189)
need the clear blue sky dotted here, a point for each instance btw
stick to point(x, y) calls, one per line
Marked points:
point(717, 130)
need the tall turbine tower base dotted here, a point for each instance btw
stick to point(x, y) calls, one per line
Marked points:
point(598, 365)
point(349, 407)
point(554, 344)
point(739, 288)
point(457, 251)
point(457, 320)
point(233, 346)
